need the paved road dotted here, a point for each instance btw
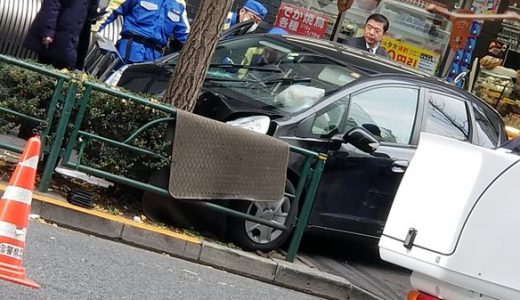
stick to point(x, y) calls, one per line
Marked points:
point(72, 265)
point(360, 264)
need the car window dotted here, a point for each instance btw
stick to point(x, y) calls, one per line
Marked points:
point(387, 112)
point(447, 116)
point(328, 121)
point(488, 135)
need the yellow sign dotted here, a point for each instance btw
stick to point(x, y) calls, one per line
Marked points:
point(422, 59)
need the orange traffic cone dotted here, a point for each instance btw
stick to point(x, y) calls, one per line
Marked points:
point(15, 206)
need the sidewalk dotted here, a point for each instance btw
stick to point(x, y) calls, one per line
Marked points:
point(298, 275)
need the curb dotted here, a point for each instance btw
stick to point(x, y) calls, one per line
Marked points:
point(271, 270)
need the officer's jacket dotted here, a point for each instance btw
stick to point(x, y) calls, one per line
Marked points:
point(155, 20)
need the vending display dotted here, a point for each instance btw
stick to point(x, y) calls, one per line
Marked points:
point(492, 87)
point(500, 88)
point(510, 30)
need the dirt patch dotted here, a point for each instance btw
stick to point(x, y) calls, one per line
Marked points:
point(116, 200)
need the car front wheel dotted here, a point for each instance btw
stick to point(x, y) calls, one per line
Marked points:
point(253, 236)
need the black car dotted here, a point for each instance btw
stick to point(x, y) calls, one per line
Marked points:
point(306, 91)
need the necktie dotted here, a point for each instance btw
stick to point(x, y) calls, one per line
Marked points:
point(370, 50)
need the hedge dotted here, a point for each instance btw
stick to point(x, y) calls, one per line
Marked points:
point(29, 92)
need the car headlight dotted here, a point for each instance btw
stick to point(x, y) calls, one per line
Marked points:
point(114, 78)
point(258, 124)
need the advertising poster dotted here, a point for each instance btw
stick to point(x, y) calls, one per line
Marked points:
point(301, 21)
point(485, 6)
point(408, 54)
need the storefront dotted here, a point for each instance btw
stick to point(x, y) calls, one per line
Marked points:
point(498, 77)
point(416, 37)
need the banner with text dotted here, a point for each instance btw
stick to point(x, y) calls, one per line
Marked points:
point(408, 54)
point(301, 21)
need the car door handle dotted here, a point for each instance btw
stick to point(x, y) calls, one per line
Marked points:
point(399, 166)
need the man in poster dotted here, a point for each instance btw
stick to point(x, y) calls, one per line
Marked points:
point(375, 28)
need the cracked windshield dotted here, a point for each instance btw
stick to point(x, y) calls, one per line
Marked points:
point(277, 74)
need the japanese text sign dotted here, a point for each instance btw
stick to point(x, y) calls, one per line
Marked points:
point(301, 21)
point(421, 59)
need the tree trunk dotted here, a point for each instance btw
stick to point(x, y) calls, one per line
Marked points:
point(186, 82)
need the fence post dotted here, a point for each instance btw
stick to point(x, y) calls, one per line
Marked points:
point(56, 95)
point(73, 139)
point(58, 139)
point(306, 209)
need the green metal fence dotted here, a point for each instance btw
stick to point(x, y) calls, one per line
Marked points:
point(59, 95)
point(73, 93)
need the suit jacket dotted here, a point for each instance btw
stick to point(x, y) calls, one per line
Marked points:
point(359, 42)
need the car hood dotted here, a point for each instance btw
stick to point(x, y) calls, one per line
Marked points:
point(224, 104)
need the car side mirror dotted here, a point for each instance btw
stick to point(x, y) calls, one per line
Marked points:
point(362, 139)
point(358, 137)
point(336, 141)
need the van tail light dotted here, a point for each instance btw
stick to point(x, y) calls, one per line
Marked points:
point(416, 295)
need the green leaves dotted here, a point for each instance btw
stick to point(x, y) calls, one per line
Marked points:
point(22, 91)
point(30, 93)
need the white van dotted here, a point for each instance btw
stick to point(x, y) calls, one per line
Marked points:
point(455, 222)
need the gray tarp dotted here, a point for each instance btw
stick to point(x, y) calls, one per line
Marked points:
point(213, 160)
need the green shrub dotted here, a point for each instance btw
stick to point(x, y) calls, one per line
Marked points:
point(117, 119)
point(108, 116)
point(22, 91)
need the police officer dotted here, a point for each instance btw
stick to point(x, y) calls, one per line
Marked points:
point(147, 27)
point(251, 10)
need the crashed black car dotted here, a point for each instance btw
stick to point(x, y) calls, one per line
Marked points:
point(306, 91)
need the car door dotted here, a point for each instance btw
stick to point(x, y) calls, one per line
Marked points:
point(357, 188)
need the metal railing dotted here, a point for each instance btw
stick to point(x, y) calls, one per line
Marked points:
point(57, 97)
point(78, 97)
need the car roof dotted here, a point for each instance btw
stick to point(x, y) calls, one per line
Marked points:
point(422, 80)
point(347, 55)
point(342, 54)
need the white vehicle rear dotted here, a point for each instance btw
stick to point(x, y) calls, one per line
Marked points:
point(455, 222)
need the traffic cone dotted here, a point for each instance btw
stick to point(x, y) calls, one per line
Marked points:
point(15, 206)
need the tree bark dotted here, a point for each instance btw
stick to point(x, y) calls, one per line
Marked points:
point(186, 82)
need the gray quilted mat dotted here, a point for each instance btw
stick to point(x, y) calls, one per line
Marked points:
point(213, 160)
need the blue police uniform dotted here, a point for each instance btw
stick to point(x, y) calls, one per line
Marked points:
point(147, 27)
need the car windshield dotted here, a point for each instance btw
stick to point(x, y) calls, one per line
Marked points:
point(276, 73)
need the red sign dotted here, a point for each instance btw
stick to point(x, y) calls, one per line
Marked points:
point(301, 21)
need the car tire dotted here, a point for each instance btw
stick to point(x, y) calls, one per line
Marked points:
point(160, 208)
point(248, 235)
